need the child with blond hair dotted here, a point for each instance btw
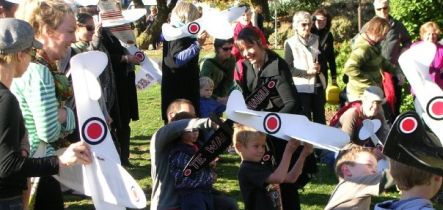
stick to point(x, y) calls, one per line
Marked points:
point(356, 168)
point(259, 181)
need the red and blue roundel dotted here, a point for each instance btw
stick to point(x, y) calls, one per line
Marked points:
point(140, 56)
point(193, 28)
point(435, 108)
point(271, 84)
point(94, 131)
point(272, 123)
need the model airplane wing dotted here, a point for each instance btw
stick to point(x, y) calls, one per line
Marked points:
point(104, 178)
point(285, 126)
point(217, 24)
point(415, 64)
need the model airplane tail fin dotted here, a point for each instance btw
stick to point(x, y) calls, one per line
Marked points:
point(236, 105)
point(91, 64)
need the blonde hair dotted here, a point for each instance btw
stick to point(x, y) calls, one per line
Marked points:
point(244, 134)
point(406, 177)
point(348, 155)
point(206, 81)
point(43, 14)
point(377, 27)
point(184, 12)
point(429, 26)
point(8, 58)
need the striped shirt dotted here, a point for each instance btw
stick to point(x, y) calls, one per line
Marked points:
point(35, 92)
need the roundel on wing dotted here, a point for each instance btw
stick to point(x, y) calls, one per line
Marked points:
point(187, 172)
point(271, 84)
point(408, 125)
point(435, 108)
point(140, 56)
point(272, 123)
point(193, 28)
point(94, 131)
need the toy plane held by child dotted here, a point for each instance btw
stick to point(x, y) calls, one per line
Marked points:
point(105, 180)
point(286, 126)
point(217, 24)
point(415, 64)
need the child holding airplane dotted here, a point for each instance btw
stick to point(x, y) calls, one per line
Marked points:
point(259, 182)
point(356, 169)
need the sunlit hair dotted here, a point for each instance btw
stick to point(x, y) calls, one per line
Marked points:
point(175, 105)
point(43, 15)
point(300, 16)
point(244, 134)
point(218, 43)
point(323, 12)
point(406, 177)
point(184, 12)
point(205, 82)
point(182, 116)
point(8, 58)
point(348, 155)
point(377, 27)
point(429, 26)
point(83, 18)
point(248, 36)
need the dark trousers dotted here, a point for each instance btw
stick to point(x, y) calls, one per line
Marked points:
point(196, 201)
point(223, 202)
point(123, 133)
point(12, 204)
point(49, 195)
point(314, 105)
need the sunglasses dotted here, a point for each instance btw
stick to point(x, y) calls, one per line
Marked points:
point(227, 48)
point(32, 52)
point(383, 8)
point(305, 25)
point(88, 28)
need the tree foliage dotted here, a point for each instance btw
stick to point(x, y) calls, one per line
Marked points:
point(413, 13)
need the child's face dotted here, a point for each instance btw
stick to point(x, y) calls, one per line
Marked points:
point(365, 164)
point(254, 150)
point(206, 91)
point(190, 137)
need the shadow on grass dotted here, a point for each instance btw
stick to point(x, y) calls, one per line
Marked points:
point(142, 137)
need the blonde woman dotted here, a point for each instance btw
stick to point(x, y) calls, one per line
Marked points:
point(180, 61)
point(42, 90)
point(429, 32)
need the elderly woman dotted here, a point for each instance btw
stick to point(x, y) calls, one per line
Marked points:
point(220, 69)
point(17, 45)
point(301, 53)
point(429, 32)
point(365, 62)
point(42, 90)
point(180, 61)
point(260, 66)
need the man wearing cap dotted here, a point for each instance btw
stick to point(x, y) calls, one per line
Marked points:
point(370, 108)
point(8, 8)
point(397, 40)
point(17, 45)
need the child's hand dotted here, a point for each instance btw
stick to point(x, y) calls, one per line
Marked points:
point(307, 149)
point(201, 38)
point(293, 144)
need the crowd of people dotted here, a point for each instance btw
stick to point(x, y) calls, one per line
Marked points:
point(36, 97)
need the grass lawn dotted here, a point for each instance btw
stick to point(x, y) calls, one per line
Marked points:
point(313, 197)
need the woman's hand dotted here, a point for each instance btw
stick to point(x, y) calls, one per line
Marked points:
point(201, 38)
point(76, 153)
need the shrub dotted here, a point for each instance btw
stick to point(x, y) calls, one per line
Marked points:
point(342, 28)
point(283, 33)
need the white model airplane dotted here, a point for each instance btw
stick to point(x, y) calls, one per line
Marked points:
point(105, 180)
point(369, 130)
point(217, 24)
point(415, 64)
point(118, 23)
point(286, 126)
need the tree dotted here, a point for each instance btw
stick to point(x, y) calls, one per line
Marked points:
point(152, 34)
point(413, 13)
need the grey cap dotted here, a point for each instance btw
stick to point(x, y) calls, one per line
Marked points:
point(17, 35)
point(373, 93)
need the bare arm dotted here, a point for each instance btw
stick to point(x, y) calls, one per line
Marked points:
point(279, 175)
point(298, 166)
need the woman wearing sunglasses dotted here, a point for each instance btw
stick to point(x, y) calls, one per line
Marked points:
point(220, 69)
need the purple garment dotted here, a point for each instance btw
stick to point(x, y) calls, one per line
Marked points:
point(436, 67)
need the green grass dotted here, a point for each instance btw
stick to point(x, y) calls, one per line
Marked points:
point(313, 197)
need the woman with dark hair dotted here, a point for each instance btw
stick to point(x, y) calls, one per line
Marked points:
point(220, 69)
point(261, 66)
point(326, 58)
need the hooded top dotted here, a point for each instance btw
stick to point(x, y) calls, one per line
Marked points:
point(407, 204)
